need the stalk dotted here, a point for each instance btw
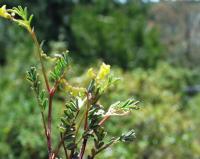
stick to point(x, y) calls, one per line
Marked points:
point(104, 147)
point(51, 93)
point(85, 129)
point(104, 120)
point(44, 125)
point(64, 146)
point(40, 58)
point(49, 124)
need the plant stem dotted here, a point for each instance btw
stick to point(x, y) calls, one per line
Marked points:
point(44, 125)
point(48, 128)
point(83, 148)
point(51, 94)
point(64, 146)
point(104, 119)
point(49, 123)
point(58, 147)
point(104, 147)
point(40, 58)
point(80, 122)
point(85, 129)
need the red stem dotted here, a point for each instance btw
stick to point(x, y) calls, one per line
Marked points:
point(49, 124)
point(51, 94)
point(85, 139)
point(104, 119)
point(58, 148)
point(85, 128)
point(44, 124)
point(83, 148)
point(40, 58)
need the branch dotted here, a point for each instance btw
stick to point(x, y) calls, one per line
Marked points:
point(104, 120)
point(58, 147)
point(85, 129)
point(104, 147)
point(40, 58)
point(63, 143)
point(49, 123)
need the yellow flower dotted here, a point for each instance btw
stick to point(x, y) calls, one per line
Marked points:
point(74, 91)
point(103, 72)
point(4, 13)
point(91, 74)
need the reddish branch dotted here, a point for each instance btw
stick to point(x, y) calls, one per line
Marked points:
point(104, 119)
point(89, 97)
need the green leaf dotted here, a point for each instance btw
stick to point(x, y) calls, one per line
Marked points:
point(33, 77)
point(128, 137)
point(67, 125)
point(61, 64)
point(122, 108)
point(25, 21)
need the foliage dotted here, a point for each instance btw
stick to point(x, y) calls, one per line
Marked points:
point(98, 28)
point(167, 125)
point(119, 34)
point(70, 127)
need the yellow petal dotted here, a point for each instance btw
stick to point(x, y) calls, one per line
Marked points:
point(75, 91)
point(91, 74)
point(4, 13)
point(103, 72)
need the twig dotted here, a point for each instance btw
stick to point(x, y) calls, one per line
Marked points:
point(44, 123)
point(83, 148)
point(59, 146)
point(40, 58)
point(49, 123)
point(79, 124)
point(104, 147)
point(104, 119)
point(85, 128)
point(63, 143)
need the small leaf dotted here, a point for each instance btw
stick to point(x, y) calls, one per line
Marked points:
point(128, 137)
point(24, 20)
point(123, 108)
point(45, 103)
point(59, 69)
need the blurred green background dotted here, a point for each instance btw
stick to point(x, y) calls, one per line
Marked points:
point(152, 46)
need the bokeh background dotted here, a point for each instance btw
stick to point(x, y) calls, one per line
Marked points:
point(152, 45)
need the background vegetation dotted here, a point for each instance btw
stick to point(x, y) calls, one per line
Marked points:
point(131, 37)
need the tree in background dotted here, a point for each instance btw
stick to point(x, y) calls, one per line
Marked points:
point(179, 21)
point(116, 31)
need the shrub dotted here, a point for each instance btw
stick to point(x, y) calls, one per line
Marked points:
point(82, 105)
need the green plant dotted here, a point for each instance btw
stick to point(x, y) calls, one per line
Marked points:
point(118, 33)
point(82, 107)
